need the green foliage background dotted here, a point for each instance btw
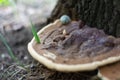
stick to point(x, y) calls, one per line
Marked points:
point(4, 2)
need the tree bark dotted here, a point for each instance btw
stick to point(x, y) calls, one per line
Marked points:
point(103, 14)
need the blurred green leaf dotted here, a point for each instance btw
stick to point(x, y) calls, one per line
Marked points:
point(4, 2)
point(34, 32)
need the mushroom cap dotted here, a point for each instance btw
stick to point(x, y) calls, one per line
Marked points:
point(110, 72)
point(48, 58)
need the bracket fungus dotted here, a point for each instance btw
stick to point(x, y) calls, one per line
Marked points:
point(110, 72)
point(70, 47)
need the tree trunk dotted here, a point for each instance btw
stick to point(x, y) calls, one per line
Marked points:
point(103, 14)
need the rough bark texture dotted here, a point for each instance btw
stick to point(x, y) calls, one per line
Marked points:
point(103, 14)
